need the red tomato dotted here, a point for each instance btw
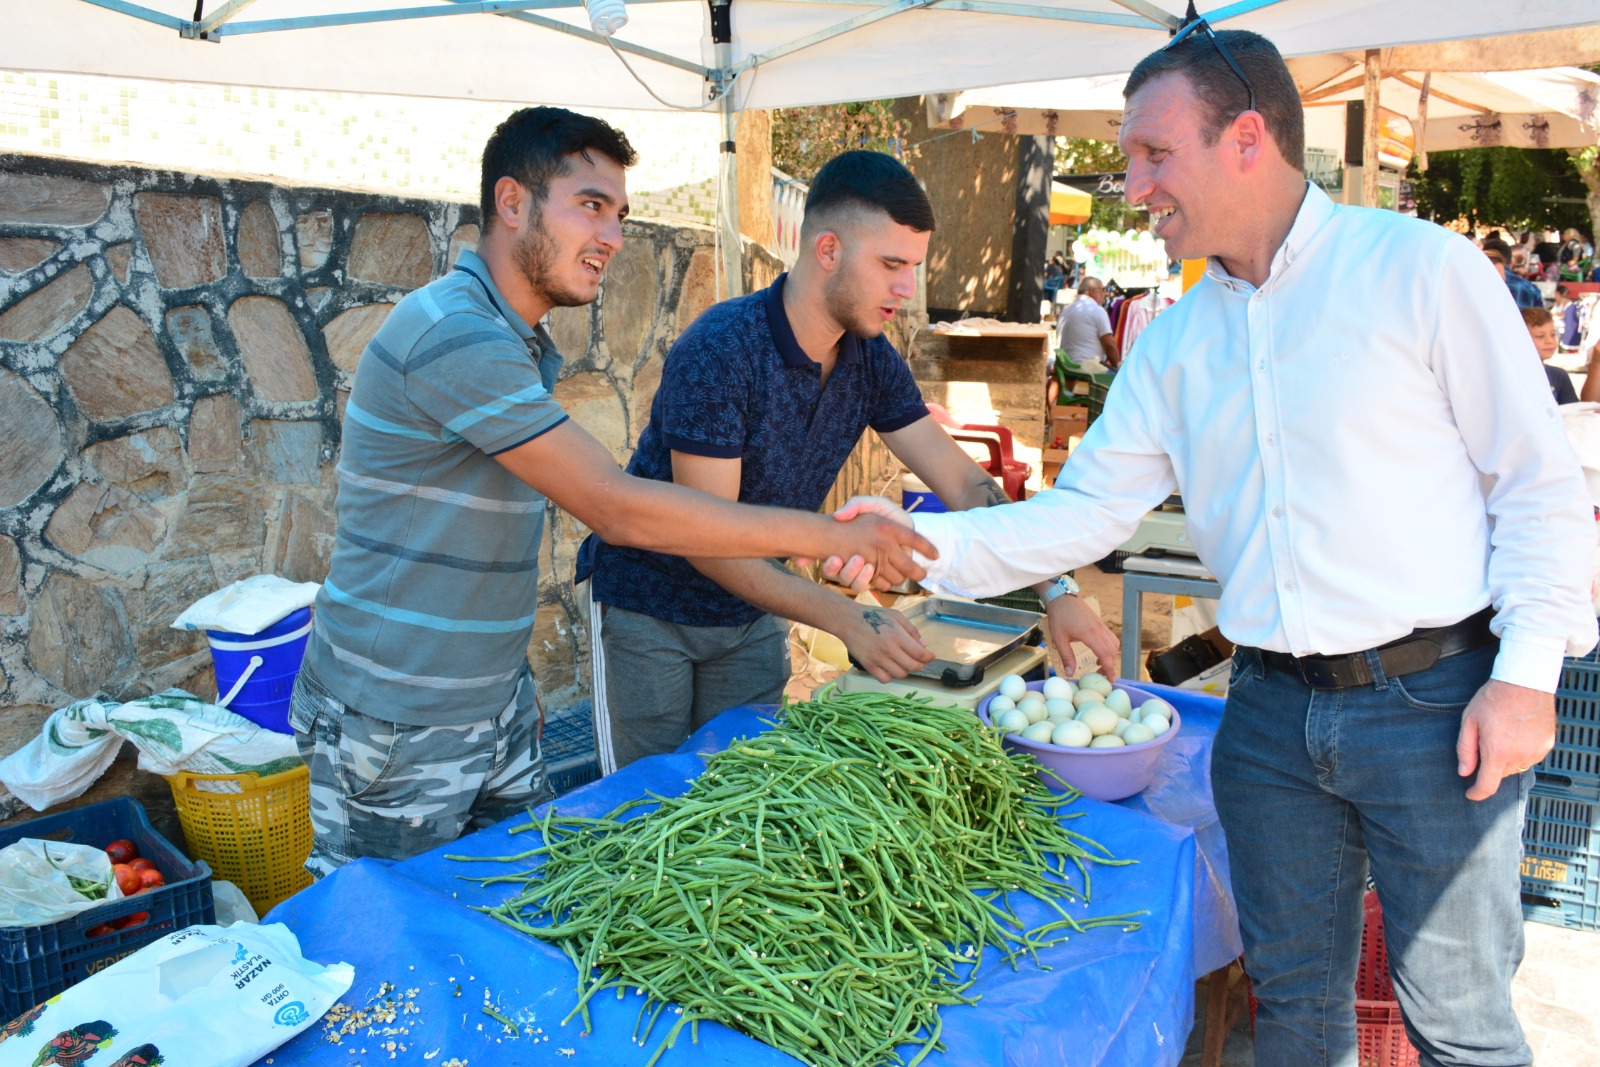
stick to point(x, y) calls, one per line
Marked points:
point(127, 879)
point(138, 918)
point(150, 878)
point(139, 863)
point(99, 931)
point(122, 851)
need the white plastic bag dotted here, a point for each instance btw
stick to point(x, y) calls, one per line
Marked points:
point(205, 995)
point(36, 881)
point(247, 606)
point(172, 730)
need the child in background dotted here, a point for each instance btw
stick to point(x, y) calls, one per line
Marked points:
point(1542, 328)
point(1564, 310)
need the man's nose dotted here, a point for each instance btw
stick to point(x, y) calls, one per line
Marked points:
point(1137, 186)
point(905, 283)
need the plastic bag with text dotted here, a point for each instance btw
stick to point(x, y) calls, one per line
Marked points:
point(204, 995)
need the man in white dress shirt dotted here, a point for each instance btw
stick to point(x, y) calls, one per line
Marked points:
point(1400, 531)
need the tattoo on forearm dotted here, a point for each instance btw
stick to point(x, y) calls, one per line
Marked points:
point(875, 619)
point(995, 496)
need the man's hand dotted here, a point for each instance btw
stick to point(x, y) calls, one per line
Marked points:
point(882, 641)
point(882, 544)
point(856, 572)
point(1505, 730)
point(1069, 619)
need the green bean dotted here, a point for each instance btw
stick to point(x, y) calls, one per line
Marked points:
point(825, 886)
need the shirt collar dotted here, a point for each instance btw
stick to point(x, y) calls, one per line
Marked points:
point(783, 334)
point(470, 262)
point(1315, 211)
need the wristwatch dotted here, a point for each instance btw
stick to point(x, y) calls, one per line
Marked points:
point(1062, 586)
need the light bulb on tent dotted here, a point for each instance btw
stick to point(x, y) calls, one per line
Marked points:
point(606, 17)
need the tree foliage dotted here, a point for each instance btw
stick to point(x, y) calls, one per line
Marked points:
point(1515, 188)
point(1085, 155)
point(804, 138)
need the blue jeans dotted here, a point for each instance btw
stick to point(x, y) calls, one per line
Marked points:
point(1309, 784)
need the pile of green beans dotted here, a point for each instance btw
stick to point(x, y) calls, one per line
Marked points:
point(825, 886)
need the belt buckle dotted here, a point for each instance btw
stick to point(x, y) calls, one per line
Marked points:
point(1314, 674)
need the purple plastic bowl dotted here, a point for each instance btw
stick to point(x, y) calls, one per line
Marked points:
point(1101, 773)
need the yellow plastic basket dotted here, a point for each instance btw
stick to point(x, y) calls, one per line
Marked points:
point(258, 838)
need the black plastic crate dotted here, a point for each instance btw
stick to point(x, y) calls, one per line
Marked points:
point(1561, 859)
point(37, 962)
point(569, 748)
point(1574, 763)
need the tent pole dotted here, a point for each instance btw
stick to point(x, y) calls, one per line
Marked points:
point(1369, 146)
point(732, 263)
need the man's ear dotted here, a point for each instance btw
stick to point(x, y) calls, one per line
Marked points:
point(1251, 142)
point(829, 250)
point(511, 202)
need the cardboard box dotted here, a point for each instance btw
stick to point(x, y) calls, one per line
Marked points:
point(1067, 421)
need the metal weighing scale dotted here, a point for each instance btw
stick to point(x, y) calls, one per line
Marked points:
point(974, 646)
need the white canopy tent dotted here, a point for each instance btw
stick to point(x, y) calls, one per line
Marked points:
point(726, 54)
point(1556, 107)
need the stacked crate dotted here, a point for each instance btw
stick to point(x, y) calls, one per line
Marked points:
point(1561, 833)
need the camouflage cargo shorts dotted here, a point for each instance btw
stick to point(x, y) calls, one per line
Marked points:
point(393, 791)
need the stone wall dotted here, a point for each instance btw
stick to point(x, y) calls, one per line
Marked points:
point(175, 353)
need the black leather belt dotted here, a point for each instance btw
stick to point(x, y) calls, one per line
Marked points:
point(1407, 655)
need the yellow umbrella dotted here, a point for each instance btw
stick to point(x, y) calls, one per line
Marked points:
point(1069, 207)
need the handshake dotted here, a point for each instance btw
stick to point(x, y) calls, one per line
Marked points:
point(886, 557)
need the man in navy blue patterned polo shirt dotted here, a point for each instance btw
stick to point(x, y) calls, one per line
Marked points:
point(761, 401)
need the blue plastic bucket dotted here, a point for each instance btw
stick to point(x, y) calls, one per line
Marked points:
point(915, 496)
point(256, 672)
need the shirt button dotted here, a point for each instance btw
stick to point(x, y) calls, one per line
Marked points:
point(1277, 513)
point(1262, 365)
point(1272, 440)
point(1288, 586)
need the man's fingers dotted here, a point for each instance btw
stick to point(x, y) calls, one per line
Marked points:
point(1485, 785)
point(860, 579)
point(1467, 747)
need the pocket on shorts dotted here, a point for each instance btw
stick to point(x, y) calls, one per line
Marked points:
point(367, 749)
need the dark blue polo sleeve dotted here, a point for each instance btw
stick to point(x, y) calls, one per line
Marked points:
point(702, 406)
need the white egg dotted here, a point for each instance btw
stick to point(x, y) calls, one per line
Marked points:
point(1057, 708)
point(999, 704)
point(1137, 734)
point(1117, 700)
point(1039, 731)
point(1100, 719)
point(1057, 688)
point(1121, 727)
point(1156, 724)
point(1071, 735)
point(1012, 722)
point(1107, 741)
point(1158, 705)
point(1034, 710)
point(1013, 686)
point(1096, 681)
point(1087, 696)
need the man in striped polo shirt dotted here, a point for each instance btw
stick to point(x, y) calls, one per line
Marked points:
point(415, 707)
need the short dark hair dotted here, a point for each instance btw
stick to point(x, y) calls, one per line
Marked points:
point(532, 146)
point(1533, 318)
point(1498, 247)
point(1224, 96)
point(861, 179)
point(1563, 290)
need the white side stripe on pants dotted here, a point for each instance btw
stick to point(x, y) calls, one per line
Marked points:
point(604, 751)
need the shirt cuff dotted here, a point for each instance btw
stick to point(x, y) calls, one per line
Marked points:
point(937, 528)
point(1529, 660)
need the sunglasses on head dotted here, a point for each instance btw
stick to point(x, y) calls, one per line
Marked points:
point(1222, 50)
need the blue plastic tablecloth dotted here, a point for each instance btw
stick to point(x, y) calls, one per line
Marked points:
point(1109, 998)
